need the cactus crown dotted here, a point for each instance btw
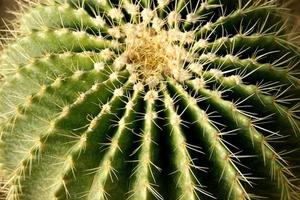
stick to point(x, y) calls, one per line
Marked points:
point(144, 99)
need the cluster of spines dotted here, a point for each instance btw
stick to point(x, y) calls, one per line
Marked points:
point(82, 40)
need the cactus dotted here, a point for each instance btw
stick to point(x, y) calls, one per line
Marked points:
point(143, 100)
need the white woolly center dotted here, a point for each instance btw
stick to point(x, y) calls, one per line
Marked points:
point(151, 52)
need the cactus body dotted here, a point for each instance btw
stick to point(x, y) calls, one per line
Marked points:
point(146, 100)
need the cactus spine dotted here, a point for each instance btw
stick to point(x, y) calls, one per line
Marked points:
point(142, 100)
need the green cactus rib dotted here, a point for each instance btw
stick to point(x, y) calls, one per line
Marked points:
point(218, 152)
point(276, 71)
point(144, 100)
point(285, 116)
point(38, 44)
point(62, 17)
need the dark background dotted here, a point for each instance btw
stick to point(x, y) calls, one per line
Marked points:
point(6, 5)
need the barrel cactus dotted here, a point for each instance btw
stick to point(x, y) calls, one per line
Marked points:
point(144, 100)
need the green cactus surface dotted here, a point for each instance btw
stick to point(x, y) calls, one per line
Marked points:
point(150, 99)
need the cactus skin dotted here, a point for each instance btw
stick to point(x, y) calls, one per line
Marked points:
point(202, 106)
